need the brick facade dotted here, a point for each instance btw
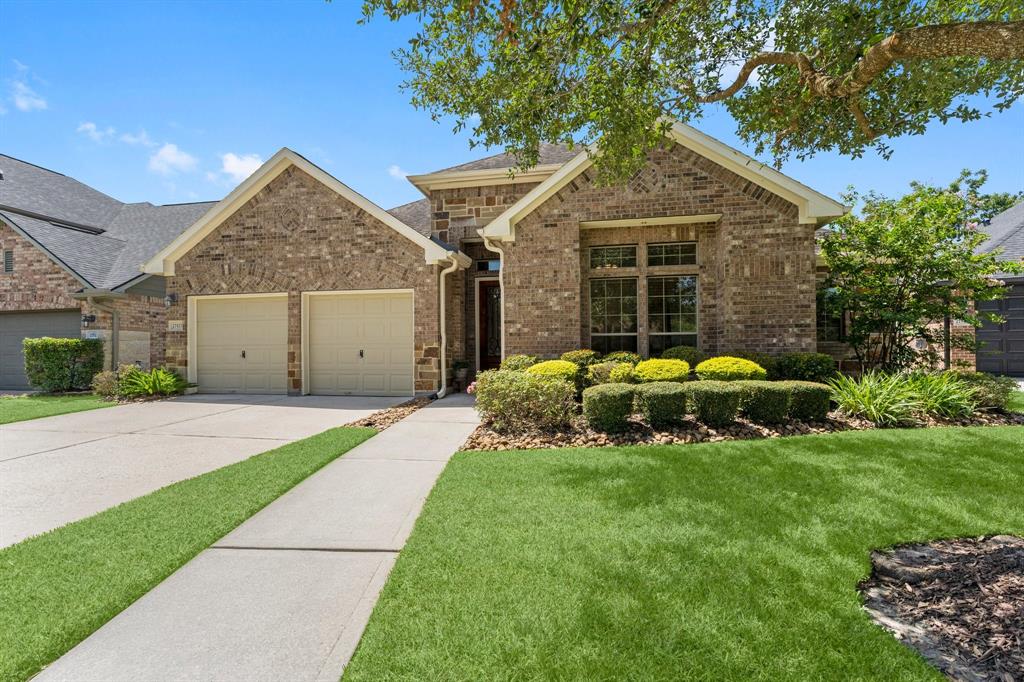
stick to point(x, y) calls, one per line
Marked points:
point(297, 235)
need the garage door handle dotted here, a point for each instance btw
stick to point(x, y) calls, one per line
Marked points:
point(243, 353)
point(360, 353)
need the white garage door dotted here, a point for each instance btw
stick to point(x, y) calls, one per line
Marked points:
point(361, 343)
point(242, 344)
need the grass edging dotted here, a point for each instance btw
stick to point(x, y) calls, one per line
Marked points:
point(25, 407)
point(59, 587)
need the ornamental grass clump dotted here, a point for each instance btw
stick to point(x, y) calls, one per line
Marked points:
point(137, 383)
point(519, 362)
point(715, 403)
point(764, 402)
point(809, 401)
point(883, 399)
point(662, 403)
point(520, 401)
point(692, 356)
point(940, 394)
point(661, 370)
point(608, 407)
point(727, 368)
point(990, 392)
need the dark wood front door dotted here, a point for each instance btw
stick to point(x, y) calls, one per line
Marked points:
point(488, 296)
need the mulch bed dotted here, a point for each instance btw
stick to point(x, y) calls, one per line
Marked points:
point(382, 419)
point(639, 433)
point(960, 603)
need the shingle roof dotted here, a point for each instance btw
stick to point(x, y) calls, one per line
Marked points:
point(549, 154)
point(1006, 232)
point(131, 233)
point(415, 214)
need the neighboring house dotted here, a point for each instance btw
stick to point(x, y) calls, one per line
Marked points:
point(1001, 345)
point(72, 260)
point(295, 283)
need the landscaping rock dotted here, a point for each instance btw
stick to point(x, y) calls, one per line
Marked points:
point(382, 419)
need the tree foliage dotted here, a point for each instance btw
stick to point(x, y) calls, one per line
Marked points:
point(799, 76)
point(900, 266)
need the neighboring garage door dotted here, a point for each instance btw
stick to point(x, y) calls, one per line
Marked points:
point(242, 344)
point(360, 343)
point(14, 327)
point(1001, 346)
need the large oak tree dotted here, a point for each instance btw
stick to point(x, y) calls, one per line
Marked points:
point(798, 76)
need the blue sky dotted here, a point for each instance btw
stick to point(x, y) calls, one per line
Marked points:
point(174, 102)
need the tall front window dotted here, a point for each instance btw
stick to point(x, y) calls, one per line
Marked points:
point(671, 312)
point(613, 317)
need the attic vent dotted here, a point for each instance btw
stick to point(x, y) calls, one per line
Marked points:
point(1, 175)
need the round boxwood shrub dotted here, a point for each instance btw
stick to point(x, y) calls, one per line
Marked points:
point(562, 369)
point(601, 373)
point(769, 363)
point(519, 362)
point(765, 402)
point(661, 370)
point(581, 358)
point(714, 403)
point(728, 368)
point(53, 365)
point(809, 401)
point(607, 407)
point(662, 403)
point(519, 401)
point(805, 366)
point(622, 373)
point(623, 356)
point(692, 356)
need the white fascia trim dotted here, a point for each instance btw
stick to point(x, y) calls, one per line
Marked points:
point(476, 178)
point(163, 262)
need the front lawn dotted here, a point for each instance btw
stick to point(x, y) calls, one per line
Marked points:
point(1016, 402)
point(22, 407)
point(727, 561)
point(59, 587)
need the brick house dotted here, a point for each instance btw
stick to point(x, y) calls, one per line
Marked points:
point(71, 266)
point(296, 283)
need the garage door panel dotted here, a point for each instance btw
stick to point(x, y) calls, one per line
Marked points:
point(15, 327)
point(227, 327)
point(1001, 345)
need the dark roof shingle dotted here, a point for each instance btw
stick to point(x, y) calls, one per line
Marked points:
point(549, 154)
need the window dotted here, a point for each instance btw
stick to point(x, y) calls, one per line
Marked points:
point(671, 312)
point(490, 265)
point(8, 261)
point(830, 320)
point(678, 253)
point(610, 257)
point(613, 314)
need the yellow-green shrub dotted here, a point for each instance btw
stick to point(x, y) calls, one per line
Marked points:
point(622, 373)
point(661, 370)
point(727, 368)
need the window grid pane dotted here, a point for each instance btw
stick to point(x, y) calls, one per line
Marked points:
point(677, 253)
point(613, 314)
point(671, 312)
point(602, 257)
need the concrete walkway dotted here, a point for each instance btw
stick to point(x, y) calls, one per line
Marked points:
point(63, 468)
point(287, 594)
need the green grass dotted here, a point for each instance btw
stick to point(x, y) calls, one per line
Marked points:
point(1016, 402)
point(729, 561)
point(59, 587)
point(22, 407)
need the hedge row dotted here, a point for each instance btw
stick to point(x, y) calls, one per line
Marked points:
point(55, 365)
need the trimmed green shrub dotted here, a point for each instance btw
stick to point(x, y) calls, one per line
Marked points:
point(692, 356)
point(104, 384)
point(805, 366)
point(601, 373)
point(136, 383)
point(662, 403)
point(621, 374)
point(623, 356)
point(581, 358)
point(809, 401)
point(727, 368)
point(607, 407)
point(991, 392)
point(765, 402)
point(769, 363)
point(714, 403)
point(519, 362)
point(661, 370)
point(883, 399)
point(940, 394)
point(560, 369)
point(519, 401)
point(54, 365)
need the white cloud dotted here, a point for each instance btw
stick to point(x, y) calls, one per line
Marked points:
point(141, 138)
point(25, 98)
point(169, 160)
point(397, 172)
point(237, 167)
point(94, 132)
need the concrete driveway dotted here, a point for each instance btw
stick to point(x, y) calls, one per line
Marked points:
point(60, 469)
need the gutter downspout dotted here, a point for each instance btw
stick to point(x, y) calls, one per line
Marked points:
point(444, 327)
point(492, 245)
point(115, 323)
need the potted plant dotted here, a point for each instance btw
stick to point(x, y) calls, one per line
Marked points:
point(461, 370)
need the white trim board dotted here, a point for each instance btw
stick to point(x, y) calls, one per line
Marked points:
point(163, 262)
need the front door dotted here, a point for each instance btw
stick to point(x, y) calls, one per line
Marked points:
point(488, 296)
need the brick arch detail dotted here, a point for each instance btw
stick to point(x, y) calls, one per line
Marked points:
point(239, 279)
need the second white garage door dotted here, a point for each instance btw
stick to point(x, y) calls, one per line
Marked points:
point(242, 344)
point(360, 343)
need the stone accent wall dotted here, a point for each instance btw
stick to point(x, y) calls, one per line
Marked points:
point(297, 235)
point(37, 283)
point(459, 212)
point(757, 276)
